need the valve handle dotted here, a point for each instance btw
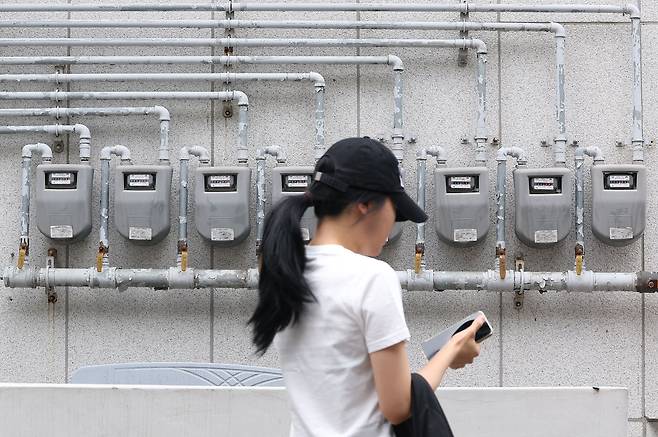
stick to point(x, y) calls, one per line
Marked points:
point(579, 264)
point(99, 261)
point(502, 266)
point(417, 261)
point(22, 252)
point(183, 260)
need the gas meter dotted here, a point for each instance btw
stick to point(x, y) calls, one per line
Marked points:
point(221, 200)
point(63, 200)
point(293, 181)
point(543, 205)
point(141, 202)
point(619, 201)
point(462, 204)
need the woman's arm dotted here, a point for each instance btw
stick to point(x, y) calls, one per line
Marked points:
point(393, 378)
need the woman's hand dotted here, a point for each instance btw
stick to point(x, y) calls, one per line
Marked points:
point(465, 347)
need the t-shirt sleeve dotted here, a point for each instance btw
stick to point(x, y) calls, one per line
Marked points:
point(383, 316)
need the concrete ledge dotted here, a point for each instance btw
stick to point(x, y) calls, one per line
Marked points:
point(70, 410)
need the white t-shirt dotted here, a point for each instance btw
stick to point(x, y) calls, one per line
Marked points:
point(324, 357)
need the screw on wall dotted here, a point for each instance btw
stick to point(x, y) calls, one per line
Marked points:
point(575, 143)
point(619, 144)
point(495, 142)
point(519, 265)
point(412, 138)
point(464, 142)
point(227, 110)
point(545, 143)
point(58, 146)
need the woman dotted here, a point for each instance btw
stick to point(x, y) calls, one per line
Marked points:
point(334, 313)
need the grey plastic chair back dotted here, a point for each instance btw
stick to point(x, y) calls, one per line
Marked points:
point(209, 374)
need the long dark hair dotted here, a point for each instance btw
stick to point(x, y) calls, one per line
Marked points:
point(282, 288)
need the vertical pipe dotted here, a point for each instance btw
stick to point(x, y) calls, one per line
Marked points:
point(421, 172)
point(638, 137)
point(501, 189)
point(398, 134)
point(102, 258)
point(560, 103)
point(319, 122)
point(182, 201)
point(260, 203)
point(580, 197)
point(243, 123)
point(481, 129)
point(25, 201)
point(105, 200)
point(163, 151)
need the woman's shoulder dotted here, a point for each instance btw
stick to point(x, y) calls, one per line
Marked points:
point(353, 262)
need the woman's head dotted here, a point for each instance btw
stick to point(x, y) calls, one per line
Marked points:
point(358, 194)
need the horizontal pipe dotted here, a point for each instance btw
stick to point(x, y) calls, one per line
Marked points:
point(238, 96)
point(316, 78)
point(251, 42)
point(628, 9)
point(246, 42)
point(392, 60)
point(174, 278)
point(287, 24)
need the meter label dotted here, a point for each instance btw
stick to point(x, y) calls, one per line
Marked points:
point(62, 231)
point(621, 233)
point(465, 235)
point(140, 233)
point(222, 234)
point(546, 236)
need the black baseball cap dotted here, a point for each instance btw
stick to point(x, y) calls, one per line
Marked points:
point(366, 164)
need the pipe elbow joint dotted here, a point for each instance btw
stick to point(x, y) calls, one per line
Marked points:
point(558, 30)
point(479, 45)
point(119, 150)
point(200, 152)
point(396, 63)
point(275, 151)
point(592, 151)
point(241, 98)
point(42, 149)
point(163, 113)
point(632, 10)
point(82, 131)
point(317, 78)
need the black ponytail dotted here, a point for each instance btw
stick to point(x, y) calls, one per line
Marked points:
point(282, 289)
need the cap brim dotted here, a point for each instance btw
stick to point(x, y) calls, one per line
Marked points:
point(407, 209)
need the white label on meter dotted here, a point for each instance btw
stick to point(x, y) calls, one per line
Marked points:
point(306, 235)
point(465, 235)
point(62, 231)
point(621, 233)
point(222, 234)
point(546, 236)
point(140, 233)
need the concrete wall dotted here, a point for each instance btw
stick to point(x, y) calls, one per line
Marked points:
point(557, 339)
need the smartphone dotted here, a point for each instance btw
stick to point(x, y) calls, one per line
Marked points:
point(432, 345)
